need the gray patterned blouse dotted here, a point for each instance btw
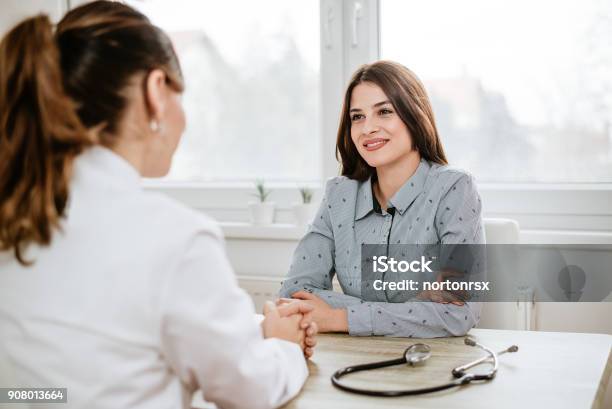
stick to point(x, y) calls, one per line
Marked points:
point(438, 204)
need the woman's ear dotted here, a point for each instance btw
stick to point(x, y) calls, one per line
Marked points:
point(155, 94)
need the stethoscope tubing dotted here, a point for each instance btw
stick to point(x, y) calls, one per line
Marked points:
point(466, 378)
point(460, 374)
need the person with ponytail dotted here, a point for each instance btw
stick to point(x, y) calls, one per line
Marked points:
point(124, 297)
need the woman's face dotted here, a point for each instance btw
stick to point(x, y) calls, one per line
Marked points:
point(377, 131)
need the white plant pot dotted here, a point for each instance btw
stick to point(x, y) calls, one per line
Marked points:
point(261, 213)
point(304, 213)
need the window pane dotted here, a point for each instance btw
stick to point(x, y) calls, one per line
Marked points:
point(522, 90)
point(252, 87)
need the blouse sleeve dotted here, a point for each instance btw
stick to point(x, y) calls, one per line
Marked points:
point(312, 267)
point(459, 215)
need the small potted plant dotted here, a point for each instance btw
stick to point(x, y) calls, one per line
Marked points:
point(304, 211)
point(261, 210)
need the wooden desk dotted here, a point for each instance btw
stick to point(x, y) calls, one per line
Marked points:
point(550, 370)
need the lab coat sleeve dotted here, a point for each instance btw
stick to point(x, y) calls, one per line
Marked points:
point(212, 341)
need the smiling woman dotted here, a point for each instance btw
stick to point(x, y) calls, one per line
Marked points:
point(389, 96)
point(395, 188)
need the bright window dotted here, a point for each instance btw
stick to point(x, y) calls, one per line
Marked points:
point(522, 90)
point(252, 88)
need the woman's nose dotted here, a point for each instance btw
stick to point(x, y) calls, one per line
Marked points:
point(370, 126)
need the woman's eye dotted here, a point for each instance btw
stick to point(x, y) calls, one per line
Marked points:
point(356, 117)
point(385, 111)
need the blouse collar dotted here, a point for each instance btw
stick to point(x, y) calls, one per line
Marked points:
point(401, 200)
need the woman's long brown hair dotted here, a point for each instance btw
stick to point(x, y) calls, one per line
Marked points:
point(54, 88)
point(409, 98)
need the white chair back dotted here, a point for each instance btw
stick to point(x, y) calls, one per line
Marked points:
point(500, 315)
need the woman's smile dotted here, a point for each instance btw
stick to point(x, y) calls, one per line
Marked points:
point(374, 143)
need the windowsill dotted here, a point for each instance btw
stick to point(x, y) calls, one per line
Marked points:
point(573, 208)
point(276, 231)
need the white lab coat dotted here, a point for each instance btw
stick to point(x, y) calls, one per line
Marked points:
point(134, 305)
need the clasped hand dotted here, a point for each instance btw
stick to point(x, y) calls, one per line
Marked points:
point(292, 322)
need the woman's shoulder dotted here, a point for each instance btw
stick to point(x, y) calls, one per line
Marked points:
point(448, 179)
point(341, 186)
point(449, 175)
point(340, 183)
point(171, 215)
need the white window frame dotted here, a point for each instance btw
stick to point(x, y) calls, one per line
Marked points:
point(350, 36)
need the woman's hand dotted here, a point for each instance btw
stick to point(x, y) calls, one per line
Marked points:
point(442, 296)
point(307, 324)
point(328, 319)
point(287, 328)
point(291, 323)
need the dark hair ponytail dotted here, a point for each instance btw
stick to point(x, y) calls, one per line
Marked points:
point(54, 89)
point(40, 134)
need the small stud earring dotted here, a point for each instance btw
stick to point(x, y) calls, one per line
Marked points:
point(154, 125)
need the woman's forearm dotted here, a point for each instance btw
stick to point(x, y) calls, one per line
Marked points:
point(412, 319)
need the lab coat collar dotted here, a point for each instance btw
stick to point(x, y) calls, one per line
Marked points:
point(106, 164)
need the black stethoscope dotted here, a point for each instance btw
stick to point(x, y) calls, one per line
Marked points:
point(418, 353)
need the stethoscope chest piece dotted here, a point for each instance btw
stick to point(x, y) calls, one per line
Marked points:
point(417, 354)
